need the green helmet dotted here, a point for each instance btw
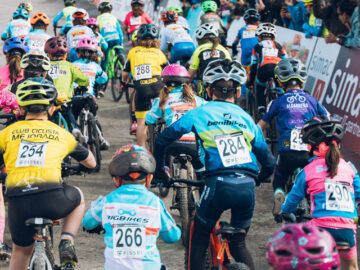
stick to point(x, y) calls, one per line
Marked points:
point(177, 9)
point(209, 6)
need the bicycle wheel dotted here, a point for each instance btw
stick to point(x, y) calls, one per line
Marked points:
point(116, 89)
point(150, 138)
point(40, 260)
point(182, 191)
point(94, 141)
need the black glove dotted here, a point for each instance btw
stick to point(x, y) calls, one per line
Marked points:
point(98, 230)
point(287, 218)
point(161, 178)
point(234, 49)
point(82, 168)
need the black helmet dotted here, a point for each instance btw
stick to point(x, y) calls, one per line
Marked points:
point(251, 14)
point(290, 68)
point(132, 162)
point(148, 31)
point(105, 6)
point(322, 128)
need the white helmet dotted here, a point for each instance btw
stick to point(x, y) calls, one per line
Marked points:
point(224, 69)
point(266, 29)
point(206, 29)
point(80, 13)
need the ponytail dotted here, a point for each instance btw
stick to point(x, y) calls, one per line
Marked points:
point(163, 97)
point(215, 42)
point(188, 94)
point(332, 159)
point(14, 68)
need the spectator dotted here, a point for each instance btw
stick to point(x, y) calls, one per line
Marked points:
point(348, 14)
point(269, 11)
point(314, 26)
point(295, 15)
point(329, 15)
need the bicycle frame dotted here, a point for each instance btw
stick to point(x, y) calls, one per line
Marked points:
point(111, 57)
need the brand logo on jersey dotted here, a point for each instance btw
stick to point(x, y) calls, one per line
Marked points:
point(227, 115)
point(127, 212)
point(226, 123)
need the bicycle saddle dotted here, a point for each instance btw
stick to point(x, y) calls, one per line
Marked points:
point(227, 229)
point(35, 222)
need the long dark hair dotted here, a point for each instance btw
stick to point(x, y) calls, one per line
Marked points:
point(14, 67)
point(214, 40)
point(332, 159)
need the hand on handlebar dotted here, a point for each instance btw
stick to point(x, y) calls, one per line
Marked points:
point(161, 178)
point(287, 218)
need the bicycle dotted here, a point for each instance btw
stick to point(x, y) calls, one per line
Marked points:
point(55, 29)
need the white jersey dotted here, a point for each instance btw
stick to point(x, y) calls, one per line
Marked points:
point(78, 32)
point(173, 33)
point(183, 22)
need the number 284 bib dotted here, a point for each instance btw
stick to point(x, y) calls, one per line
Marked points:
point(129, 241)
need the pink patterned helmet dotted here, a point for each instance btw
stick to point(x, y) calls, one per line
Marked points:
point(92, 21)
point(304, 247)
point(8, 101)
point(87, 44)
point(175, 74)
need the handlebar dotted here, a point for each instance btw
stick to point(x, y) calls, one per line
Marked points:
point(68, 169)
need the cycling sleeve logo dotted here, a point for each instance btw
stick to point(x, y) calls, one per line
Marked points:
point(127, 212)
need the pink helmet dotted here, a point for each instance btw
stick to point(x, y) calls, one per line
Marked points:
point(88, 44)
point(8, 101)
point(304, 247)
point(92, 21)
point(175, 74)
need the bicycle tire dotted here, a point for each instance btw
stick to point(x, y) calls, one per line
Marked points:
point(184, 207)
point(151, 138)
point(116, 92)
point(94, 141)
point(47, 261)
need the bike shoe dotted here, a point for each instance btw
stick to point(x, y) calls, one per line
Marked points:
point(67, 253)
point(104, 145)
point(78, 135)
point(133, 128)
point(101, 94)
point(5, 252)
point(279, 198)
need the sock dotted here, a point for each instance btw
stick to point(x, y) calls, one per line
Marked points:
point(67, 236)
point(2, 228)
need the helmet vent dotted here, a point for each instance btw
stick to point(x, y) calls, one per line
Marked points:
point(283, 252)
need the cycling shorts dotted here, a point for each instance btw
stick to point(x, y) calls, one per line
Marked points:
point(185, 147)
point(78, 104)
point(345, 235)
point(54, 204)
point(265, 73)
point(223, 192)
point(182, 50)
point(146, 90)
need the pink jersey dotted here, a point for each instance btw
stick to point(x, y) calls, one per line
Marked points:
point(4, 77)
point(134, 22)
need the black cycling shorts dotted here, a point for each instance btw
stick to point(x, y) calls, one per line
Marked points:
point(145, 91)
point(185, 147)
point(53, 204)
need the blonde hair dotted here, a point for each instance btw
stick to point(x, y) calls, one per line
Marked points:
point(187, 95)
point(149, 43)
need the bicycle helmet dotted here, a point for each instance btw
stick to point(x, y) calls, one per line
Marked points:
point(56, 46)
point(175, 74)
point(26, 6)
point(69, 2)
point(92, 21)
point(87, 44)
point(132, 162)
point(224, 69)
point(134, 36)
point(303, 247)
point(21, 12)
point(290, 68)
point(266, 30)
point(148, 31)
point(36, 91)
point(139, 2)
point(322, 129)
point(169, 16)
point(105, 6)
point(35, 61)
point(15, 43)
point(177, 9)
point(251, 14)
point(80, 13)
point(209, 6)
point(206, 30)
point(40, 16)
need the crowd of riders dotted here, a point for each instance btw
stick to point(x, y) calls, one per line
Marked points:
point(194, 84)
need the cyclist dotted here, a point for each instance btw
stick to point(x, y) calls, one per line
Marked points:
point(26, 6)
point(230, 174)
point(34, 184)
point(14, 49)
point(64, 74)
point(19, 26)
point(302, 246)
point(174, 35)
point(292, 110)
point(176, 98)
point(93, 24)
point(110, 29)
point(181, 21)
point(145, 62)
point(314, 26)
point(209, 49)
point(37, 38)
point(87, 53)
point(66, 14)
point(265, 55)
point(209, 8)
point(136, 17)
point(332, 183)
point(131, 168)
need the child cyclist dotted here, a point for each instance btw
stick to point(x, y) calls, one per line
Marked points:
point(291, 110)
point(332, 183)
point(145, 62)
point(87, 53)
point(176, 98)
point(93, 24)
point(303, 247)
point(181, 21)
point(132, 208)
point(19, 26)
point(38, 37)
point(136, 17)
point(66, 14)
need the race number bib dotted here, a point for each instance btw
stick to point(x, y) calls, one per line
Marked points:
point(177, 115)
point(108, 28)
point(338, 196)
point(54, 71)
point(36, 44)
point(248, 34)
point(207, 55)
point(135, 20)
point(20, 31)
point(232, 149)
point(296, 142)
point(225, 13)
point(270, 52)
point(143, 72)
point(31, 154)
point(129, 241)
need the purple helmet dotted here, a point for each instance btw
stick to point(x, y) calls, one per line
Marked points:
point(175, 74)
point(304, 247)
point(87, 44)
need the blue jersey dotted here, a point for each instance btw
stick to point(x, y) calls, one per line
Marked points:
point(248, 40)
point(66, 14)
point(109, 27)
point(16, 28)
point(227, 134)
point(141, 214)
point(292, 110)
point(36, 40)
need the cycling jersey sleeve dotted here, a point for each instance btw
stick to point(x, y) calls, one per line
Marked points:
point(80, 152)
point(195, 60)
point(58, 18)
point(101, 76)
point(238, 37)
point(321, 109)
point(92, 217)
point(78, 77)
point(296, 194)
point(127, 67)
point(356, 181)
point(169, 232)
point(120, 33)
point(103, 43)
point(272, 112)
point(148, 19)
point(154, 114)
point(6, 33)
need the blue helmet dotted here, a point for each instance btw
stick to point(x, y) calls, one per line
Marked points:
point(148, 31)
point(17, 43)
point(21, 12)
point(251, 13)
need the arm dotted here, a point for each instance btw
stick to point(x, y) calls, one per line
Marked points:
point(154, 114)
point(84, 156)
point(253, 67)
point(356, 181)
point(352, 39)
point(58, 18)
point(296, 194)
point(126, 73)
point(6, 33)
point(101, 76)
point(163, 40)
point(92, 217)
point(103, 44)
point(77, 76)
point(169, 232)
